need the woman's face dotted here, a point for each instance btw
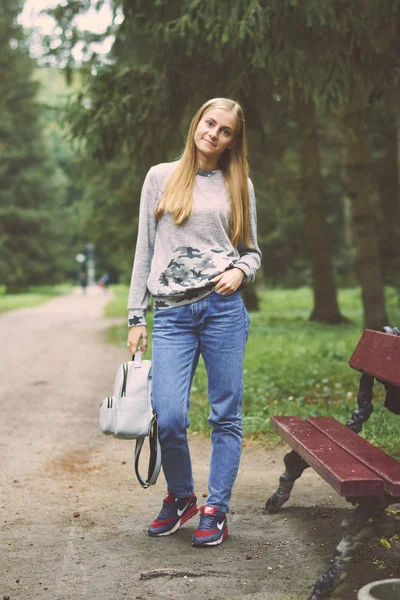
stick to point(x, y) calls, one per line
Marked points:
point(215, 133)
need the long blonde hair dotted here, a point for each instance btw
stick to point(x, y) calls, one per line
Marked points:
point(177, 198)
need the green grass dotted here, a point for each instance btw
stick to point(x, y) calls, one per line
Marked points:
point(117, 306)
point(293, 366)
point(34, 296)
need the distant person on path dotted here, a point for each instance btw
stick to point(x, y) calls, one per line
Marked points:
point(103, 282)
point(196, 248)
point(83, 280)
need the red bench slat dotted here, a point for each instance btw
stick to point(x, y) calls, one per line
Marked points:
point(378, 354)
point(375, 459)
point(343, 472)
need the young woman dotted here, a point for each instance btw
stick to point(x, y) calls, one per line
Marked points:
point(196, 248)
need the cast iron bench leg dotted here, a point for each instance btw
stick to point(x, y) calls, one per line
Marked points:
point(356, 529)
point(295, 466)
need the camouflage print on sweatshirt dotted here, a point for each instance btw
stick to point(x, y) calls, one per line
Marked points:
point(187, 276)
point(163, 302)
point(189, 266)
point(136, 318)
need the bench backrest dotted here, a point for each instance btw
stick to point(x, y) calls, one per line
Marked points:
point(378, 354)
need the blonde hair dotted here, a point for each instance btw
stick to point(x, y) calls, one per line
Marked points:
point(177, 198)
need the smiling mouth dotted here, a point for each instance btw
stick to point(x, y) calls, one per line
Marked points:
point(208, 142)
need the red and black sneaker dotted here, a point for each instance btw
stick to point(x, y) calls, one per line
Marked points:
point(174, 513)
point(212, 529)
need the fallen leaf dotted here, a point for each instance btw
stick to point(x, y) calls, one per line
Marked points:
point(385, 543)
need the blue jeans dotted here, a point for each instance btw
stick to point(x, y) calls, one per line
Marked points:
point(215, 327)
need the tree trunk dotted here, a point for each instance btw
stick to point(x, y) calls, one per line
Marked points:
point(357, 163)
point(250, 298)
point(397, 279)
point(385, 146)
point(348, 244)
point(16, 288)
point(326, 309)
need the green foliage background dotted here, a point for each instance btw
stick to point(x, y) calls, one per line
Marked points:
point(132, 111)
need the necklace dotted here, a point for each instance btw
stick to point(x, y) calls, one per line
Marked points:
point(205, 173)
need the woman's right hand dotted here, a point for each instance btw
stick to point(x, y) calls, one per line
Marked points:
point(137, 333)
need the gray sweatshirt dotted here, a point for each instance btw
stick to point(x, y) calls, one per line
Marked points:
point(174, 263)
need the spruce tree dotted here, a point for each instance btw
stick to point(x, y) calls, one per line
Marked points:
point(31, 238)
point(168, 57)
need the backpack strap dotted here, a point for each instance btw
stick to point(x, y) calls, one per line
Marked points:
point(155, 455)
point(125, 374)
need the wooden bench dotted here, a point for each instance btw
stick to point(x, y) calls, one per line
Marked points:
point(365, 475)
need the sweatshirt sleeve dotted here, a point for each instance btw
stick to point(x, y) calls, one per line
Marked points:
point(138, 292)
point(250, 256)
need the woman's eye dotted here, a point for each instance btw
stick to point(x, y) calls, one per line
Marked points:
point(226, 132)
point(209, 123)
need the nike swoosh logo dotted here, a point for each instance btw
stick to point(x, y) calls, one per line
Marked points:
point(220, 525)
point(180, 512)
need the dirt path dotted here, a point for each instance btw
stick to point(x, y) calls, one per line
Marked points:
point(55, 365)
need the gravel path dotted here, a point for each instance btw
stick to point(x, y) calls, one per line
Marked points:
point(73, 519)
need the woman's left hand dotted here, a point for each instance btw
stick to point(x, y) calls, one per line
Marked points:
point(228, 282)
